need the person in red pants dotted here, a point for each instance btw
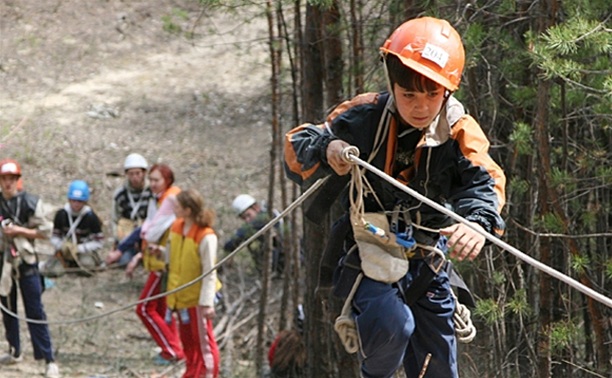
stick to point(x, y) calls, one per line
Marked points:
point(154, 232)
point(192, 251)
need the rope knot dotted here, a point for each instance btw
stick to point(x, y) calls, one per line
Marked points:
point(348, 151)
point(347, 332)
point(464, 328)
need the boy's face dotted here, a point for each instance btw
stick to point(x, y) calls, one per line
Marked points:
point(249, 214)
point(136, 177)
point(76, 205)
point(8, 183)
point(418, 109)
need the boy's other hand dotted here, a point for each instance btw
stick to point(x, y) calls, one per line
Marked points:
point(464, 242)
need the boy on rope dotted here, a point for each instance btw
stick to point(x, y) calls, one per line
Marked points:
point(390, 248)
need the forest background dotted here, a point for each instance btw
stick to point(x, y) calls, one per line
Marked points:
point(211, 86)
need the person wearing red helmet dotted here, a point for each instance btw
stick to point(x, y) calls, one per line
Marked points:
point(421, 136)
point(23, 221)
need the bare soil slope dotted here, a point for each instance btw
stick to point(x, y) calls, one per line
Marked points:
point(84, 83)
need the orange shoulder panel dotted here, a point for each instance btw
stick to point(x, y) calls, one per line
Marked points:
point(365, 98)
point(475, 146)
point(177, 226)
point(173, 190)
point(201, 232)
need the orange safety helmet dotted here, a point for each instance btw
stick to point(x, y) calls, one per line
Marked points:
point(10, 167)
point(431, 47)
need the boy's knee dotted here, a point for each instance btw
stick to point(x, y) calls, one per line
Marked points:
point(386, 329)
point(384, 338)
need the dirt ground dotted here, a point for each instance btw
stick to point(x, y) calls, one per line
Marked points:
point(84, 83)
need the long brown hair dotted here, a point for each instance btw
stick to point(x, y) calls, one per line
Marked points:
point(192, 199)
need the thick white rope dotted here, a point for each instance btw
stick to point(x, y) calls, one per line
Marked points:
point(351, 154)
point(256, 235)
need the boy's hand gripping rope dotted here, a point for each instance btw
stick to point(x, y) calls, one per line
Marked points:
point(351, 154)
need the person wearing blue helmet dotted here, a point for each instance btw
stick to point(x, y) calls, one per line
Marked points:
point(77, 234)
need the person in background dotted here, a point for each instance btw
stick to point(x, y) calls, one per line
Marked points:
point(77, 234)
point(255, 217)
point(130, 204)
point(287, 353)
point(153, 233)
point(420, 135)
point(192, 251)
point(23, 222)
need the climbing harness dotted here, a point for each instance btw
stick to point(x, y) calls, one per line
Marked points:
point(382, 258)
point(73, 243)
point(351, 154)
point(385, 257)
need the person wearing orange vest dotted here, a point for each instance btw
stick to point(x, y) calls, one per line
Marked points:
point(154, 233)
point(192, 252)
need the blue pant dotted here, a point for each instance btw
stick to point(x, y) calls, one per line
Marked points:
point(129, 241)
point(30, 284)
point(392, 334)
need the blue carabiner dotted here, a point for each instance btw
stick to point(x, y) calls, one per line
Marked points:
point(405, 240)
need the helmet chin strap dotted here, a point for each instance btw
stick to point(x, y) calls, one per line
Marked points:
point(383, 57)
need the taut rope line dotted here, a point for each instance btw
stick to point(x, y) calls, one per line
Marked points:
point(351, 155)
point(265, 228)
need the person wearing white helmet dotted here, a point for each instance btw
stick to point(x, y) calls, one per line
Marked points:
point(129, 210)
point(77, 234)
point(255, 216)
